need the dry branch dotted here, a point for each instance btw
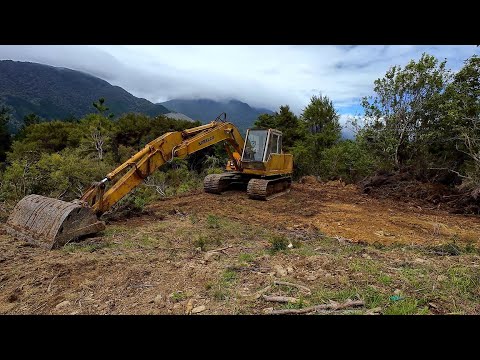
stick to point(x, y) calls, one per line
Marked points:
point(276, 282)
point(261, 292)
point(221, 249)
point(333, 306)
point(51, 282)
point(281, 299)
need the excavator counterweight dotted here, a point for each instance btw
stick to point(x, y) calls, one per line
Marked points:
point(257, 163)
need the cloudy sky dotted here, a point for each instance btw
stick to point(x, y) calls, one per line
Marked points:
point(266, 76)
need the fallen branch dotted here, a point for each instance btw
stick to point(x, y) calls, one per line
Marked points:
point(333, 306)
point(276, 282)
point(51, 282)
point(221, 249)
point(39, 307)
point(259, 293)
point(321, 253)
point(375, 311)
point(141, 286)
point(281, 299)
point(173, 248)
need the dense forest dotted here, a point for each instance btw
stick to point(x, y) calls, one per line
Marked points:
point(422, 122)
point(58, 93)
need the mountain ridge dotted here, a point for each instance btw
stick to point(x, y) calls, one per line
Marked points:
point(206, 110)
point(58, 93)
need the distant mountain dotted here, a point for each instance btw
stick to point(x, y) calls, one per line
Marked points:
point(206, 110)
point(178, 116)
point(58, 93)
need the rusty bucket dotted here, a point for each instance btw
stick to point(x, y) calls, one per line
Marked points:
point(51, 223)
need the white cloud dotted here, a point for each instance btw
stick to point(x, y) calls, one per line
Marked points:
point(266, 76)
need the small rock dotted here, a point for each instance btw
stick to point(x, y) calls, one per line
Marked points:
point(198, 309)
point(311, 277)
point(189, 307)
point(289, 270)
point(280, 271)
point(198, 249)
point(267, 310)
point(211, 255)
point(374, 311)
point(62, 304)
point(441, 278)
point(290, 245)
point(366, 256)
point(397, 291)
point(158, 299)
point(433, 305)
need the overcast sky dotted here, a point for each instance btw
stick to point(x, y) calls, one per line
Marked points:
point(266, 76)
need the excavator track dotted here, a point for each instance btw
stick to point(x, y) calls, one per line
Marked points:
point(218, 183)
point(267, 189)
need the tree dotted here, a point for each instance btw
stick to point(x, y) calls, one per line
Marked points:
point(5, 138)
point(31, 119)
point(400, 114)
point(320, 113)
point(322, 121)
point(460, 118)
point(101, 108)
point(28, 120)
point(266, 121)
point(96, 134)
point(285, 121)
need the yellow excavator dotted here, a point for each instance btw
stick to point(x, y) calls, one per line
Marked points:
point(257, 162)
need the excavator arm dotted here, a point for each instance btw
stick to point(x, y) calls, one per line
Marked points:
point(164, 149)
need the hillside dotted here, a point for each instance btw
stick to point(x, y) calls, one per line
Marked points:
point(205, 110)
point(178, 116)
point(54, 93)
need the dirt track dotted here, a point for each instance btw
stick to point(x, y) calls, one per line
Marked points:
point(158, 264)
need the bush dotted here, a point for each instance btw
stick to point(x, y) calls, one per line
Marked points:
point(63, 175)
point(278, 243)
point(346, 161)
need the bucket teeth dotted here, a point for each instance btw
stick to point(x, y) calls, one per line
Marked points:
point(51, 223)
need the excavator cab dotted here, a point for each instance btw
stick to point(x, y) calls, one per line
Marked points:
point(260, 144)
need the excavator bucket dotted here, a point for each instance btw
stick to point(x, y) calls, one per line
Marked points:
point(51, 223)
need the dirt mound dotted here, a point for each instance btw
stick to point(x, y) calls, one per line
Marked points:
point(405, 187)
point(335, 184)
point(309, 179)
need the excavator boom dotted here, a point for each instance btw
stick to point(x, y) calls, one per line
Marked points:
point(51, 223)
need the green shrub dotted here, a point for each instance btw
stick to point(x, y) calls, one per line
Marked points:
point(347, 161)
point(278, 243)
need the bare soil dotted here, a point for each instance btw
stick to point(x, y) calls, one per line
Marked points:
point(214, 254)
